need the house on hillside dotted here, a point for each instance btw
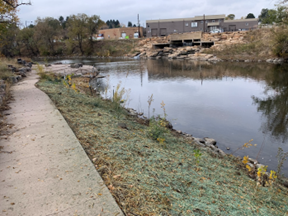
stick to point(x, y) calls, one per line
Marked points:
point(209, 23)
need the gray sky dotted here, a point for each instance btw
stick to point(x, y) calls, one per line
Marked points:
point(127, 10)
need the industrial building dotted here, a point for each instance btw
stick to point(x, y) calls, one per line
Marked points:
point(209, 23)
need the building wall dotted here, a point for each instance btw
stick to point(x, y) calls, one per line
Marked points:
point(246, 24)
point(116, 33)
point(155, 28)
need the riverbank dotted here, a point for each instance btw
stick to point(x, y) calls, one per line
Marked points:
point(170, 176)
point(260, 45)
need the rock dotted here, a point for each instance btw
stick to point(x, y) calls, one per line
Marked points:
point(29, 64)
point(57, 63)
point(152, 54)
point(200, 144)
point(94, 160)
point(132, 112)
point(228, 148)
point(122, 125)
point(19, 61)
point(210, 141)
point(25, 69)
point(167, 50)
point(173, 56)
point(158, 57)
point(181, 57)
point(214, 59)
point(247, 60)
point(221, 153)
point(169, 125)
point(253, 161)
point(74, 66)
point(21, 74)
point(183, 52)
point(179, 131)
point(199, 140)
point(269, 60)
point(281, 60)
point(47, 65)
point(13, 79)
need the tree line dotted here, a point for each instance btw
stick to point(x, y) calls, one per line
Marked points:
point(44, 38)
point(268, 16)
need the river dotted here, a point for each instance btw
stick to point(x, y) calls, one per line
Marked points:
point(230, 102)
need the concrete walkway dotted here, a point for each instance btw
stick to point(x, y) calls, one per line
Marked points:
point(43, 168)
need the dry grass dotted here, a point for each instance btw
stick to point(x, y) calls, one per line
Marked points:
point(5, 73)
point(258, 44)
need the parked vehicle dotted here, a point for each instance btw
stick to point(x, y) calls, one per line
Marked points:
point(100, 37)
point(136, 35)
point(215, 31)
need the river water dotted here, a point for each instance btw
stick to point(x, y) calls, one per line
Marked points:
point(230, 102)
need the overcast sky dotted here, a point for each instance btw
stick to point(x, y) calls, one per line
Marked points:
point(127, 10)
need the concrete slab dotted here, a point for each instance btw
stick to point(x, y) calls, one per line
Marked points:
point(43, 168)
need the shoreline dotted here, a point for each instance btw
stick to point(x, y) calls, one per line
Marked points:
point(133, 164)
point(203, 58)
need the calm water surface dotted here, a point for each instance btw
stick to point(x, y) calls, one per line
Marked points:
point(230, 102)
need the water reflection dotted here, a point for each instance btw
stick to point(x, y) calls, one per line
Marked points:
point(274, 106)
point(231, 102)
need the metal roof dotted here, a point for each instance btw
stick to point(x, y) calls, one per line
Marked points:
point(221, 16)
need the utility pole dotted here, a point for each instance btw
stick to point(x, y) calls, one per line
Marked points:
point(138, 26)
point(204, 26)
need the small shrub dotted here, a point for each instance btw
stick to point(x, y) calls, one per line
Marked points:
point(280, 47)
point(157, 129)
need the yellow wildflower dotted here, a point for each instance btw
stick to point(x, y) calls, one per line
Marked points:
point(272, 175)
point(245, 159)
point(249, 168)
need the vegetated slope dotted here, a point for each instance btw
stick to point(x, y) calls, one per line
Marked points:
point(255, 44)
point(149, 177)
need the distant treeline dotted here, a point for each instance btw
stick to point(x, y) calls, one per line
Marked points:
point(50, 36)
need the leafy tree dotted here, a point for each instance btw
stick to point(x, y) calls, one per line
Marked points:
point(47, 31)
point(250, 16)
point(270, 16)
point(263, 14)
point(61, 19)
point(230, 17)
point(129, 24)
point(8, 46)
point(27, 41)
point(113, 23)
point(8, 28)
point(77, 29)
point(82, 27)
point(94, 23)
point(134, 25)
